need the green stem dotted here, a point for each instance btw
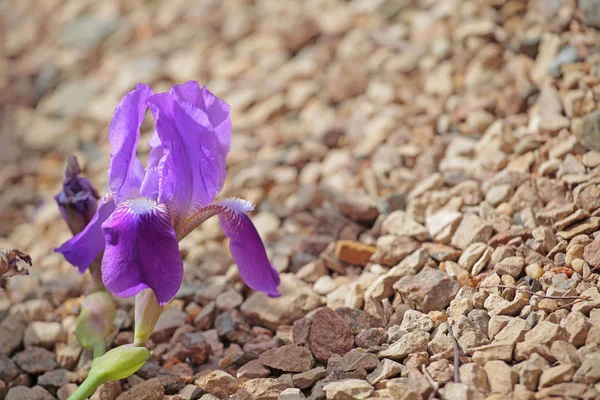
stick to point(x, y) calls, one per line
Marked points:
point(98, 348)
point(96, 273)
point(87, 388)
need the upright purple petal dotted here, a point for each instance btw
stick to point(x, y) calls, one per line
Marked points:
point(83, 248)
point(141, 251)
point(193, 170)
point(247, 248)
point(156, 159)
point(125, 173)
point(216, 109)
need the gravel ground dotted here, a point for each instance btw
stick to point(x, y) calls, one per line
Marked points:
point(427, 181)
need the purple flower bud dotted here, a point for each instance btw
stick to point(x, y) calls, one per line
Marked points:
point(78, 199)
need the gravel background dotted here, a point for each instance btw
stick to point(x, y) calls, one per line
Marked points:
point(426, 174)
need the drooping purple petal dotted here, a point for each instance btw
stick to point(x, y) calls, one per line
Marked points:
point(193, 169)
point(247, 248)
point(141, 251)
point(83, 248)
point(125, 172)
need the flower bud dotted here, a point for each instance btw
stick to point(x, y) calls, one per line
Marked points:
point(119, 363)
point(147, 312)
point(78, 199)
point(95, 321)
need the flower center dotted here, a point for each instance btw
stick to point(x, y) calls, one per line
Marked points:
point(142, 205)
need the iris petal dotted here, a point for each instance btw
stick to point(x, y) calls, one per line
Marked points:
point(193, 169)
point(125, 172)
point(141, 251)
point(83, 248)
point(248, 250)
point(245, 243)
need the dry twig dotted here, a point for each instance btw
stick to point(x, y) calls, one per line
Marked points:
point(456, 354)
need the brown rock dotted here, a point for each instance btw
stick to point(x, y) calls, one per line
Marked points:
point(217, 383)
point(329, 334)
point(34, 393)
point(371, 337)
point(253, 369)
point(146, 390)
point(429, 290)
point(289, 358)
point(354, 252)
point(266, 388)
point(471, 229)
point(307, 379)
point(35, 360)
point(296, 300)
point(300, 331)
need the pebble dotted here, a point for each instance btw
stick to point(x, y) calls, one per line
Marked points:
point(329, 334)
point(289, 358)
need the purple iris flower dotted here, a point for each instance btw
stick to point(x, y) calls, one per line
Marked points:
point(139, 224)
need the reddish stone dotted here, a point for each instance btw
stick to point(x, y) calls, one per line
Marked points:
point(300, 331)
point(329, 334)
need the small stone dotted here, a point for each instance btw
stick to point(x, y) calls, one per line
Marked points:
point(510, 266)
point(325, 285)
point(591, 252)
point(306, 380)
point(401, 224)
point(429, 290)
point(471, 229)
point(371, 337)
point(266, 388)
point(44, 334)
point(474, 375)
point(23, 392)
point(296, 300)
point(348, 389)
point(567, 55)
point(591, 12)
point(589, 371)
point(582, 228)
point(410, 343)
point(356, 359)
point(291, 394)
point(253, 369)
point(217, 383)
point(170, 319)
point(546, 332)
point(471, 254)
point(65, 391)
point(453, 390)
point(534, 270)
point(386, 369)
point(191, 392)
point(107, 391)
point(289, 358)
point(354, 252)
point(35, 360)
point(345, 82)
point(501, 376)
point(559, 374)
point(228, 300)
point(329, 334)
point(392, 249)
point(416, 321)
point(146, 390)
